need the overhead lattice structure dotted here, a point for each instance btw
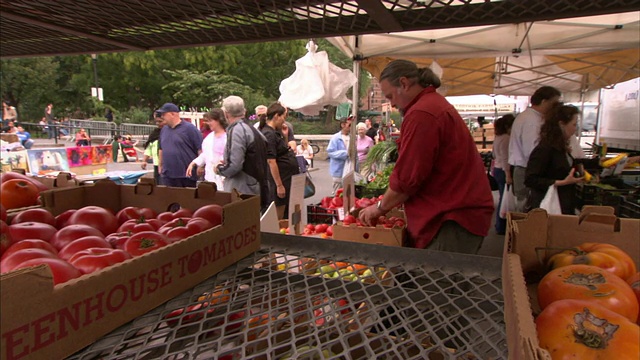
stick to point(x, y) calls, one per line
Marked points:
point(65, 27)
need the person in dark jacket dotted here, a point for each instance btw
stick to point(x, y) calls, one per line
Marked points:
point(551, 163)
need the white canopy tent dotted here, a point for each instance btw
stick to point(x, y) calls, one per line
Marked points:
point(573, 55)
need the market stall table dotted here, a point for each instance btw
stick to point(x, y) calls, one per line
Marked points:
point(414, 304)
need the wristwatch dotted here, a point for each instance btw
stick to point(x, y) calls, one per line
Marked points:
point(379, 206)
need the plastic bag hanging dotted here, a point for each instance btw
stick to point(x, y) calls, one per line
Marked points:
point(315, 83)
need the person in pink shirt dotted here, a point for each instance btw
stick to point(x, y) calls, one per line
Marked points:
point(363, 145)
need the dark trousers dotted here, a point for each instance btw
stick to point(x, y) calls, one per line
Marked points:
point(501, 179)
point(178, 182)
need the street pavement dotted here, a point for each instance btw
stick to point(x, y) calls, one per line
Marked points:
point(492, 246)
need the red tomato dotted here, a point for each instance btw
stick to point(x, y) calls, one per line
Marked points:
point(94, 259)
point(182, 228)
point(62, 219)
point(6, 176)
point(579, 329)
point(3, 213)
point(136, 226)
point(634, 282)
point(62, 271)
point(168, 215)
point(5, 238)
point(211, 213)
point(135, 213)
point(349, 219)
point(585, 282)
point(72, 232)
point(31, 230)
point(118, 239)
point(18, 193)
point(34, 215)
point(97, 217)
point(321, 228)
point(144, 242)
point(83, 243)
point(10, 262)
point(29, 244)
point(329, 231)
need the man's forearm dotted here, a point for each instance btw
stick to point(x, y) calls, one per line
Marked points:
point(391, 199)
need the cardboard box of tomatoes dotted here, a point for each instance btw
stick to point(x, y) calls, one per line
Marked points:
point(390, 232)
point(43, 321)
point(531, 239)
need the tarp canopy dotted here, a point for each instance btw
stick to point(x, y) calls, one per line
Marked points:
point(573, 55)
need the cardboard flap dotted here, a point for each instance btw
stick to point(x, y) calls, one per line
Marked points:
point(206, 190)
point(144, 188)
point(64, 179)
point(597, 219)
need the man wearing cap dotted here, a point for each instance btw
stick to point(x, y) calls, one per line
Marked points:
point(179, 143)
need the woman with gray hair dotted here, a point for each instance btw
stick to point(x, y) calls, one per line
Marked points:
point(439, 175)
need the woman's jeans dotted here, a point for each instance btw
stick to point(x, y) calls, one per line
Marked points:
point(501, 179)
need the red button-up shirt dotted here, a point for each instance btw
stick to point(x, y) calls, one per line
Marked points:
point(439, 168)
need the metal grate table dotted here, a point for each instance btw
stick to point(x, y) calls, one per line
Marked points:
point(286, 301)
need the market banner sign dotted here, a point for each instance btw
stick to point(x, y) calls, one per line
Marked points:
point(490, 108)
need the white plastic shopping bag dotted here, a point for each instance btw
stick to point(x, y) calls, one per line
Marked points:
point(551, 201)
point(508, 202)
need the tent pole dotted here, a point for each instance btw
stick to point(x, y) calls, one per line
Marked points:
point(355, 98)
point(583, 89)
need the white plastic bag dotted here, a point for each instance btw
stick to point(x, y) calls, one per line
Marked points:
point(508, 203)
point(551, 201)
point(315, 83)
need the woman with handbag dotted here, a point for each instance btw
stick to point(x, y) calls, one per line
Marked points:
point(551, 168)
point(501, 168)
point(280, 157)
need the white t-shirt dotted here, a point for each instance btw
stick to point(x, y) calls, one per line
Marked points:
point(212, 152)
point(525, 135)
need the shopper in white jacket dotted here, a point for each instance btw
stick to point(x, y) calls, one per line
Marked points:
point(213, 147)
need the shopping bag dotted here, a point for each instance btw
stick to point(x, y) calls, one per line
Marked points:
point(309, 187)
point(551, 201)
point(508, 203)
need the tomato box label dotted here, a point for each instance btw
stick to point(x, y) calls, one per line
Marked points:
point(40, 321)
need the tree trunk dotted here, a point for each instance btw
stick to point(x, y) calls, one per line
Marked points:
point(331, 114)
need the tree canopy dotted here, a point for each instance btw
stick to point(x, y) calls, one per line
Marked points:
point(138, 82)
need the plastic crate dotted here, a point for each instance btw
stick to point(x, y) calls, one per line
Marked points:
point(316, 214)
point(630, 207)
point(587, 194)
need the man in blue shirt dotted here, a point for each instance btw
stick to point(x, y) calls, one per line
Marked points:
point(179, 143)
point(338, 152)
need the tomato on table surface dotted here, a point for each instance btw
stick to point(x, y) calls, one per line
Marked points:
point(144, 242)
point(62, 219)
point(72, 232)
point(62, 271)
point(5, 238)
point(136, 226)
point(83, 243)
point(135, 213)
point(585, 282)
point(12, 175)
point(12, 261)
point(580, 329)
point(634, 282)
point(606, 256)
point(97, 217)
point(18, 193)
point(211, 213)
point(182, 228)
point(94, 259)
point(31, 230)
point(29, 244)
point(117, 240)
point(34, 215)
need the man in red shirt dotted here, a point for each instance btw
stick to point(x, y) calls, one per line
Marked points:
point(439, 175)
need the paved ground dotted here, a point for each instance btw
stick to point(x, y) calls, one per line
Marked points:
point(492, 246)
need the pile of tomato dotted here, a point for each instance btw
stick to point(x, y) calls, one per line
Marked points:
point(91, 238)
point(590, 302)
point(19, 190)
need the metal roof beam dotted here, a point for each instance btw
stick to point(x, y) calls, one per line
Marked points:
point(381, 15)
point(62, 29)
